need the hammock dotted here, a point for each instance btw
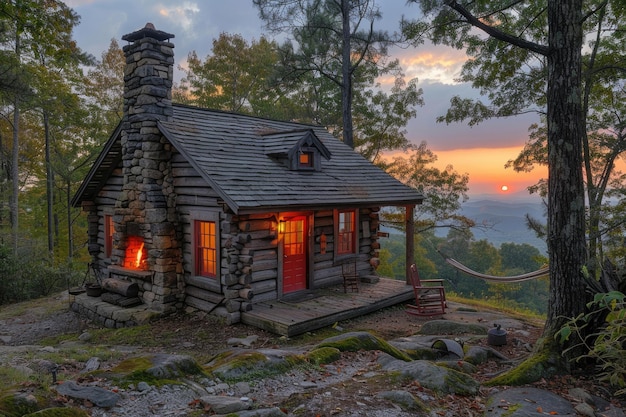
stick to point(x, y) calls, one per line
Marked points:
point(515, 278)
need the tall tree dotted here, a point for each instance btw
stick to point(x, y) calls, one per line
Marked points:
point(561, 23)
point(38, 28)
point(335, 38)
point(517, 85)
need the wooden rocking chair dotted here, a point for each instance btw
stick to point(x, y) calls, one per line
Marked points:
point(430, 296)
point(350, 276)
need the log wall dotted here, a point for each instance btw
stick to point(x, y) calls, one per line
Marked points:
point(249, 247)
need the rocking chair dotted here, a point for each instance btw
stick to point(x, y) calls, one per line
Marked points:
point(430, 296)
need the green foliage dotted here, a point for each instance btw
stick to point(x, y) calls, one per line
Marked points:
point(26, 275)
point(331, 61)
point(606, 347)
point(12, 404)
point(237, 77)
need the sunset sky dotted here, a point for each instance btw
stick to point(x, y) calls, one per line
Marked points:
point(480, 151)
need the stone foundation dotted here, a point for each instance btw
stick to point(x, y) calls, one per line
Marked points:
point(109, 315)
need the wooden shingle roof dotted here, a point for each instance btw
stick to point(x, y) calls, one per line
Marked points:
point(238, 156)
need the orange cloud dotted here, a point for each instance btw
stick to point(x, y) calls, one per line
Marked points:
point(485, 167)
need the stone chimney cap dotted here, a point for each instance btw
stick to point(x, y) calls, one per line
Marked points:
point(147, 32)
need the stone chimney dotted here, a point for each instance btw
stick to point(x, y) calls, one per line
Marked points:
point(145, 211)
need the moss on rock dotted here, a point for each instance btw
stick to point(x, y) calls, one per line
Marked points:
point(544, 363)
point(323, 355)
point(155, 370)
point(252, 365)
point(355, 341)
point(17, 404)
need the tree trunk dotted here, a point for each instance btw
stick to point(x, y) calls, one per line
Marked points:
point(15, 182)
point(346, 71)
point(70, 232)
point(15, 156)
point(49, 183)
point(566, 205)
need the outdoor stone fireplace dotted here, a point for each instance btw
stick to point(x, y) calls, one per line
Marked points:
point(145, 236)
point(146, 245)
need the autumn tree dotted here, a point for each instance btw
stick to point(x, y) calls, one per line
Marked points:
point(511, 29)
point(236, 76)
point(102, 91)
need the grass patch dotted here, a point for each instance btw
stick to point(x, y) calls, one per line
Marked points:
point(142, 335)
point(38, 308)
point(526, 315)
point(12, 376)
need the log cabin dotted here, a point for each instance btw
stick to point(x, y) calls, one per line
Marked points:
point(219, 211)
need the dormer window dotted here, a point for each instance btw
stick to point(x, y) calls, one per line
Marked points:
point(300, 150)
point(306, 160)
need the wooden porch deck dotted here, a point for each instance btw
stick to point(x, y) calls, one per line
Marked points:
point(323, 307)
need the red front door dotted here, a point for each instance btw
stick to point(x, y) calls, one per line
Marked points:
point(294, 251)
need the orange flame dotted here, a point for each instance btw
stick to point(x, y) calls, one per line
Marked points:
point(139, 256)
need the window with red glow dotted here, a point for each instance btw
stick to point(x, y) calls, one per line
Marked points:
point(109, 229)
point(205, 249)
point(306, 159)
point(346, 232)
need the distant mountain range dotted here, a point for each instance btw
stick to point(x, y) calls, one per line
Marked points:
point(503, 218)
point(500, 219)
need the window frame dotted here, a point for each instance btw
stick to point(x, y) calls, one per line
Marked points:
point(339, 250)
point(198, 249)
point(314, 163)
point(191, 262)
point(109, 230)
point(310, 164)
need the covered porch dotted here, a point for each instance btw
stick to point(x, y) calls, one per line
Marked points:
point(314, 309)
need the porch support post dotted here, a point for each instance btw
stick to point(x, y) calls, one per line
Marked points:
point(410, 241)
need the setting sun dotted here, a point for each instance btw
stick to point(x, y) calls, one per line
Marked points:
point(504, 188)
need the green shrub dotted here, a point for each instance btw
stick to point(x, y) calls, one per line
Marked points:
point(29, 274)
point(607, 346)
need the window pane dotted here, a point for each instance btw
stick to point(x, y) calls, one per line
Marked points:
point(306, 159)
point(346, 232)
point(205, 250)
point(109, 229)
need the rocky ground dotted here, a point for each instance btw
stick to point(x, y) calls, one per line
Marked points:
point(353, 385)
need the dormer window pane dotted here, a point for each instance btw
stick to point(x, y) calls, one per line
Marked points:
point(306, 159)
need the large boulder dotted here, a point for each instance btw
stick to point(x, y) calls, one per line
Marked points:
point(100, 397)
point(355, 341)
point(437, 378)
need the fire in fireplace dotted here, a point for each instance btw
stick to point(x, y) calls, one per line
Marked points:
point(136, 253)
